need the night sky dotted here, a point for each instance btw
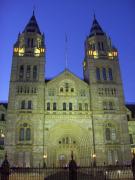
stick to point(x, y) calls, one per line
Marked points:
point(74, 18)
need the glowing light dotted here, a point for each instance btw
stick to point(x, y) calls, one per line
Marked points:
point(15, 50)
point(94, 155)
point(45, 156)
point(21, 51)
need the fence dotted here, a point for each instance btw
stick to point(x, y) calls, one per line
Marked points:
point(68, 173)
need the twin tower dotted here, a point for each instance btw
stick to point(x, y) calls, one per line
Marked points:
point(47, 120)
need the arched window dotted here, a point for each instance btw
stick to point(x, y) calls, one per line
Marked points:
point(70, 106)
point(35, 72)
point(86, 106)
point(98, 74)
point(108, 134)
point(23, 104)
point(21, 134)
point(104, 74)
point(54, 106)
point(48, 106)
point(24, 132)
point(61, 89)
point(21, 72)
point(64, 106)
point(110, 74)
point(80, 107)
point(28, 134)
point(29, 105)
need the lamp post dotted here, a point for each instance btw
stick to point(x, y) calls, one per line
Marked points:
point(94, 160)
point(44, 160)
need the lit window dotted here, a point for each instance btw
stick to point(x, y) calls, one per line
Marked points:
point(54, 107)
point(64, 106)
point(110, 74)
point(104, 74)
point(98, 74)
point(48, 106)
point(70, 106)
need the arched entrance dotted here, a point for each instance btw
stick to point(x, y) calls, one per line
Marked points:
point(64, 138)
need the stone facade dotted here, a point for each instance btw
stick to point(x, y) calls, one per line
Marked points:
point(48, 119)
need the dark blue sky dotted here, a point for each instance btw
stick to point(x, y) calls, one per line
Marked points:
point(73, 17)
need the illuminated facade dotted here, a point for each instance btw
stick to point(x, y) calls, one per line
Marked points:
point(47, 119)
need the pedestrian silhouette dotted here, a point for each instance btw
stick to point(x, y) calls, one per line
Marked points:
point(72, 168)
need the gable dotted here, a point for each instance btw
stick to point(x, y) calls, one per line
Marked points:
point(67, 77)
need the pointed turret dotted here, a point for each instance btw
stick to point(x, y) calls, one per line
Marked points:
point(30, 42)
point(96, 28)
point(32, 25)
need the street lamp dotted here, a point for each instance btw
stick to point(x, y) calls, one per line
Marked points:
point(94, 160)
point(44, 160)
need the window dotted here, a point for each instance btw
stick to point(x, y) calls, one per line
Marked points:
point(28, 72)
point(24, 132)
point(23, 104)
point(113, 134)
point(99, 47)
point(131, 138)
point(72, 89)
point(108, 134)
point(128, 117)
point(54, 107)
point(105, 105)
point(21, 72)
point(29, 105)
point(102, 46)
point(70, 106)
point(35, 72)
point(104, 74)
point(3, 117)
point(98, 74)
point(64, 106)
point(110, 105)
point(48, 106)
point(28, 134)
point(110, 74)
point(21, 134)
point(61, 89)
point(86, 106)
point(80, 107)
